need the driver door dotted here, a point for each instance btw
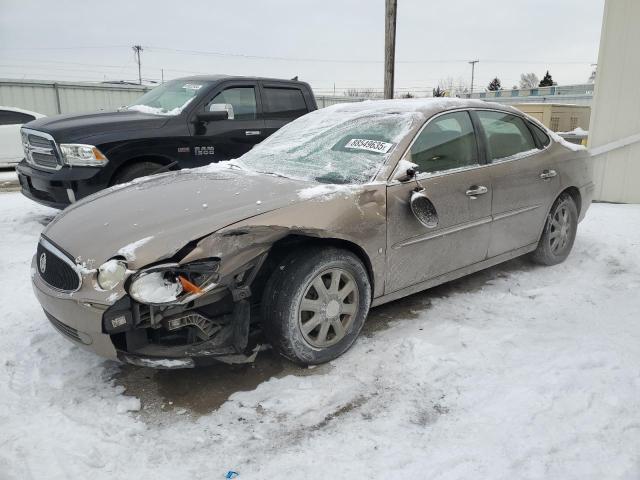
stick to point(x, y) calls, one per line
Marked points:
point(453, 179)
point(219, 140)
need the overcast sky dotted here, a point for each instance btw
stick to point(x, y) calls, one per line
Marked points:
point(325, 42)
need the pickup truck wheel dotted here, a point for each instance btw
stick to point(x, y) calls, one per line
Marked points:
point(136, 170)
point(315, 303)
point(559, 232)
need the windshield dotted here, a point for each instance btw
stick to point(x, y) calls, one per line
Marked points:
point(331, 146)
point(168, 99)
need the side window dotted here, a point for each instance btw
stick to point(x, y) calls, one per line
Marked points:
point(241, 99)
point(284, 103)
point(7, 117)
point(446, 142)
point(541, 136)
point(506, 135)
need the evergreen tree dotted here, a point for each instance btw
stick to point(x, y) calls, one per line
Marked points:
point(546, 81)
point(494, 85)
point(438, 92)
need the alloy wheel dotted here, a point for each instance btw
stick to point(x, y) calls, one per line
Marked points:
point(560, 231)
point(328, 307)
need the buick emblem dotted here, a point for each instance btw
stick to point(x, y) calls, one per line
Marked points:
point(43, 262)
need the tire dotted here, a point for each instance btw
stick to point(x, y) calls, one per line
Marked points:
point(137, 170)
point(287, 322)
point(559, 232)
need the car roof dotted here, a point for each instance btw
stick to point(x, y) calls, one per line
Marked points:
point(21, 110)
point(426, 106)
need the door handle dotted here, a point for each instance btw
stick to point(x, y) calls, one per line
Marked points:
point(475, 190)
point(250, 133)
point(546, 174)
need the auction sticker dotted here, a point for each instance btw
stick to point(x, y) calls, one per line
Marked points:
point(369, 145)
point(191, 86)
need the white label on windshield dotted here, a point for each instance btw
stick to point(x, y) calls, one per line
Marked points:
point(191, 86)
point(369, 145)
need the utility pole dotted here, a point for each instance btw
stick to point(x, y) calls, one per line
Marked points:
point(162, 75)
point(473, 71)
point(137, 49)
point(391, 8)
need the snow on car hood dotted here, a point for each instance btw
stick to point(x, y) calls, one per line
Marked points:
point(152, 218)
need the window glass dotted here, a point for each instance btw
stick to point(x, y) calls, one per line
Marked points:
point(241, 99)
point(445, 143)
point(284, 102)
point(543, 138)
point(8, 117)
point(168, 99)
point(506, 135)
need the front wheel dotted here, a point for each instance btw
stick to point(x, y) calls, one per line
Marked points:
point(315, 304)
point(559, 232)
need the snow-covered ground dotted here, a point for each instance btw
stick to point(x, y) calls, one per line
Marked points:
point(518, 372)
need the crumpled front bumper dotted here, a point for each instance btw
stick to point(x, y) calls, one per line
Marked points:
point(80, 320)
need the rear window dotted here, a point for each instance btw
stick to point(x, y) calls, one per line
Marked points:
point(284, 102)
point(542, 138)
point(505, 135)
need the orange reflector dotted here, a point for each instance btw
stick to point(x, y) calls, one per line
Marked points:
point(188, 286)
point(98, 154)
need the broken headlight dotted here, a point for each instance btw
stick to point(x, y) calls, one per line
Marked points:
point(172, 283)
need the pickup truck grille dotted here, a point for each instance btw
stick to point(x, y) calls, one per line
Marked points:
point(55, 268)
point(40, 150)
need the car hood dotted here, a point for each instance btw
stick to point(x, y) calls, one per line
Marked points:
point(75, 127)
point(165, 212)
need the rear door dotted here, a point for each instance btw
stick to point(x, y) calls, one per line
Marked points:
point(451, 175)
point(218, 140)
point(523, 179)
point(283, 103)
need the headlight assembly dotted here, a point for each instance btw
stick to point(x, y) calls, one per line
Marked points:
point(80, 155)
point(174, 284)
point(111, 274)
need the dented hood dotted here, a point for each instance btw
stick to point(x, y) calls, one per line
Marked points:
point(165, 212)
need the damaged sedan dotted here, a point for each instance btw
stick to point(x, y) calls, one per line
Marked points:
point(343, 209)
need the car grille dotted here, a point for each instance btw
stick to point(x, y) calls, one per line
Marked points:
point(56, 271)
point(40, 151)
point(66, 330)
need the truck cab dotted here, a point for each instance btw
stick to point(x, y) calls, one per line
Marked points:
point(184, 123)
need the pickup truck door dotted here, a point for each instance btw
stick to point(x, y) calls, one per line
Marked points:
point(282, 103)
point(219, 140)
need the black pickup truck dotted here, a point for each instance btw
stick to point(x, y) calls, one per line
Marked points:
point(184, 123)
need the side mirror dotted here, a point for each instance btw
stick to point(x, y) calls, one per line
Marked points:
point(222, 107)
point(405, 171)
point(423, 209)
point(203, 117)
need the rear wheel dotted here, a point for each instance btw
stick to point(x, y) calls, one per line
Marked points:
point(315, 304)
point(137, 170)
point(559, 232)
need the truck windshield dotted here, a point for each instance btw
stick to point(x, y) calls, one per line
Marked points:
point(168, 99)
point(331, 146)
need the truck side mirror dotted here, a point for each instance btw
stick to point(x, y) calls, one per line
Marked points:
point(203, 117)
point(222, 107)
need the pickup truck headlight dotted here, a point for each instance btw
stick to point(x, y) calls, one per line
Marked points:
point(173, 283)
point(80, 155)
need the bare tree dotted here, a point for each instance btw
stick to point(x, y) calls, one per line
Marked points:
point(529, 80)
point(454, 88)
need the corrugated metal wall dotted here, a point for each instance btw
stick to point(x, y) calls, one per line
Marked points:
point(51, 98)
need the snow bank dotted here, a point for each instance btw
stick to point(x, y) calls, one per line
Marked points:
point(517, 372)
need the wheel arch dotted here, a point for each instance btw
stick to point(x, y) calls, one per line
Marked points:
point(294, 241)
point(155, 158)
point(574, 193)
